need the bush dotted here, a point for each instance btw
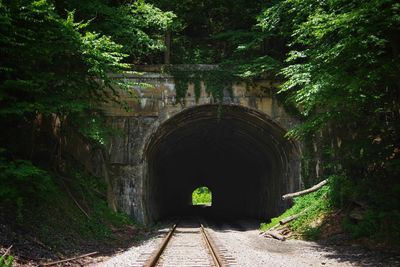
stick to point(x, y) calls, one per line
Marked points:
point(21, 182)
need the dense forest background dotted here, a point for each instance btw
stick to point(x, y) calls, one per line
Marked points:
point(338, 63)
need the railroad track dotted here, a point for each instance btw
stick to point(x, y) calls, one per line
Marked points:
point(187, 244)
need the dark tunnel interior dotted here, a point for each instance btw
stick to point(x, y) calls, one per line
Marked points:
point(242, 156)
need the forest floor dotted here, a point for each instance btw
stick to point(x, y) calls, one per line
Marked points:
point(36, 243)
point(29, 250)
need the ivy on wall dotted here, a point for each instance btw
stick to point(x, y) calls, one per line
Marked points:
point(216, 82)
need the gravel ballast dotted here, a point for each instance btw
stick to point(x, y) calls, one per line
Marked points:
point(243, 243)
point(249, 248)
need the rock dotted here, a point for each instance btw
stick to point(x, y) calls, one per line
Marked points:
point(357, 214)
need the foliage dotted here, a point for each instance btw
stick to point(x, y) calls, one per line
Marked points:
point(379, 225)
point(217, 82)
point(74, 58)
point(22, 183)
point(92, 124)
point(252, 68)
point(211, 30)
point(6, 261)
point(138, 26)
point(51, 66)
point(202, 196)
point(72, 64)
point(310, 207)
point(380, 213)
point(338, 62)
point(90, 191)
point(68, 227)
point(56, 57)
point(340, 71)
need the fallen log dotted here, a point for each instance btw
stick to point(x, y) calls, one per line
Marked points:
point(285, 231)
point(274, 235)
point(289, 219)
point(69, 259)
point(292, 217)
point(75, 201)
point(306, 191)
point(7, 251)
point(274, 227)
point(38, 242)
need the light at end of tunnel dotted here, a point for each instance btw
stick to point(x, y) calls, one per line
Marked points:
point(202, 196)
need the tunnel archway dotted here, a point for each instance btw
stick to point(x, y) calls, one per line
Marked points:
point(242, 156)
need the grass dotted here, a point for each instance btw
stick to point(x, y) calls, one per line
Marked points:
point(312, 207)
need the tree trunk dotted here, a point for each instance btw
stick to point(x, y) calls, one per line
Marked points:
point(167, 53)
point(304, 192)
point(111, 202)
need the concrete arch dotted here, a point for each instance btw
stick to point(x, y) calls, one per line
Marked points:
point(242, 156)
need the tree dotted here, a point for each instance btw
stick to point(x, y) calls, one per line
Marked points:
point(210, 31)
point(138, 26)
point(341, 72)
point(54, 65)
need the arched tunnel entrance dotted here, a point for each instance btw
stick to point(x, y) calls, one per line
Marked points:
point(242, 156)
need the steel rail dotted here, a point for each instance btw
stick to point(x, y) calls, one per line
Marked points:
point(152, 262)
point(210, 244)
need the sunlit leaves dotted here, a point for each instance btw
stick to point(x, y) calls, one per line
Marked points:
point(136, 25)
point(341, 50)
point(67, 59)
point(102, 54)
point(342, 75)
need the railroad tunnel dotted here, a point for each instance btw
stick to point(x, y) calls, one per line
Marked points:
point(239, 153)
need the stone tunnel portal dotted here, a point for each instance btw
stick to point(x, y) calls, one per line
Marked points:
point(242, 156)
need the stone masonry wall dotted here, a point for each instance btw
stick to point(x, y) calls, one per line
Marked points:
point(150, 105)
